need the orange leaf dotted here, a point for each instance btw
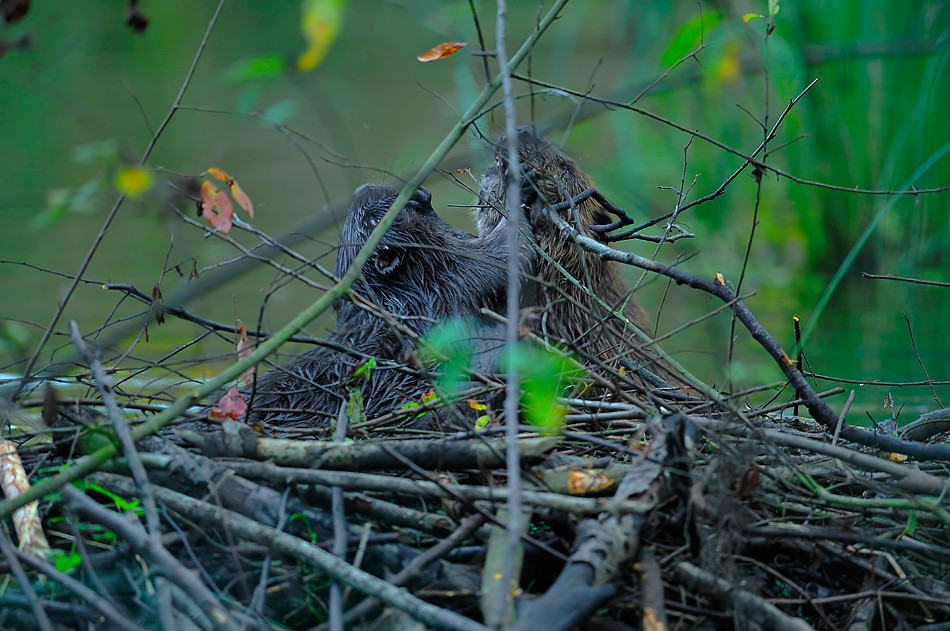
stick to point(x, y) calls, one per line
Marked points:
point(220, 174)
point(231, 405)
point(441, 51)
point(241, 197)
point(579, 482)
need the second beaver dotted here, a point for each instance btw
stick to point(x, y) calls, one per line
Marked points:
point(572, 313)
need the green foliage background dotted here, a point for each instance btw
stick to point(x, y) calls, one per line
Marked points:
point(877, 114)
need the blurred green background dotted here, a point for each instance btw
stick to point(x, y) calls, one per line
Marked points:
point(70, 121)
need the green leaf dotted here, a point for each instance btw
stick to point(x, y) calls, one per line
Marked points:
point(773, 8)
point(481, 422)
point(301, 519)
point(68, 562)
point(690, 36)
point(57, 203)
point(98, 151)
point(279, 113)
point(83, 198)
point(269, 66)
point(545, 375)
point(451, 340)
point(365, 370)
point(748, 17)
point(911, 526)
point(120, 502)
point(104, 536)
point(247, 100)
point(415, 404)
point(355, 410)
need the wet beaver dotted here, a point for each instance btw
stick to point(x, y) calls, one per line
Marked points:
point(572, 314)
point(423, 271)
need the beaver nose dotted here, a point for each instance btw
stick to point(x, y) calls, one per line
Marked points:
point(422, 196)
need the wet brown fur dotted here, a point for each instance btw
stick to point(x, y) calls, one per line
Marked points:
point(571, 313)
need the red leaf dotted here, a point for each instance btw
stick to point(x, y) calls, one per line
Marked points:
point(441, 51)
point(231, 405)
point(216, 207)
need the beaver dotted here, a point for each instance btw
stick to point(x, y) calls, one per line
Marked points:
point(424, 271)
point(572, 314)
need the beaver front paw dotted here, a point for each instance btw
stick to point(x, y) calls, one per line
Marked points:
point(529, 187)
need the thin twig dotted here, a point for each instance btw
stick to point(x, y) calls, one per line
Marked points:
point(513, 549)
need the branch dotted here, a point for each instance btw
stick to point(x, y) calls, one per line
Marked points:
point(820, 410)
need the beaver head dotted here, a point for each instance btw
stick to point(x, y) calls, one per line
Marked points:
point(423, 267)
point(416, 225)
point(545, 172)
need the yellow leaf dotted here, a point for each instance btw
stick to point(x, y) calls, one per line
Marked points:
point(133, 181)
point(475, 405)
point(320, 25)
point(208, 191)
point(481, 422)
point(729, 68)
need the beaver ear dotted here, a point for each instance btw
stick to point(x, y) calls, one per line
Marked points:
point(387, 259)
